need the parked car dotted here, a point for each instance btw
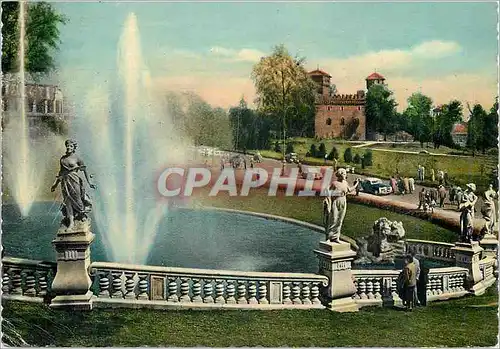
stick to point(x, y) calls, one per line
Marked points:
point(375, 186)
point(292, 157)
point(311, 172)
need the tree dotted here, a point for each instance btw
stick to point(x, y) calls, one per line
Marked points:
point(475, 129)
point(419, 116)
point(380, 110)
point(321, 151)
point(42, 37)
point(285, 91)
point(368, 158)
point(277, 147)
point(446, 116)
point(490, 133)
point(289, 148)
point(313, 151)
point(357, 159)
point(348, 155)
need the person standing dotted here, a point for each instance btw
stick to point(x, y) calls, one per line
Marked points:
point(421, 199)
point(410, 281)
point(335, 162)
point(433, 175)
point(419, 172)
point(411, 181)
point(417, 278)
point(423, 173)
point(406, 183)
point(394, 185)
point(442, 195)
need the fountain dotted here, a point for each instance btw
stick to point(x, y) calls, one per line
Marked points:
point(124, 139)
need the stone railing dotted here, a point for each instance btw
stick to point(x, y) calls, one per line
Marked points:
point(164, 287)
point(440, 251)
point(445, 283)
point(376, 287)
point(26, 279)
point(487, 267)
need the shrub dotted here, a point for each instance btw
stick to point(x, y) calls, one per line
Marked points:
point(277, 147)
point(321, 151)
point(289, 148)
point(357, 159)
point(334, 154)
point(313, 151)
point(368, 158)
point(348, 155)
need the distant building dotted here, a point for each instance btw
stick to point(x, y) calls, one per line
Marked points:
point(44, 104)
point(459, 134)
point(340, 115)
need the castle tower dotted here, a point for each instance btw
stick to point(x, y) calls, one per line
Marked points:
point(374, 79)
point(322, 80)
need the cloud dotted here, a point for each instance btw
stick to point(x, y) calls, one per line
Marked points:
point(435, 49)
point(243, 55)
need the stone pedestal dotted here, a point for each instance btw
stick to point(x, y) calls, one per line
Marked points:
point(335, 261)
point(490, 245)
point(72, 282)
point(468, 255)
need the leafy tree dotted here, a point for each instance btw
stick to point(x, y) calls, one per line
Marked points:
point(357, 159)
point(490, 133)
point(380, 110)
point(285, 91)
point(348, 155)
point(368, 158)
point(334, 154)
point(313, 151)
point(475, 129)
point(42, 37)
point(418, 113)
point(321, 151)
point(446, 116)
point(289, 148)
point(277, 147)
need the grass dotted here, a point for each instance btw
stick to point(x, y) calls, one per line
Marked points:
point(452, 323)
point(358, 221)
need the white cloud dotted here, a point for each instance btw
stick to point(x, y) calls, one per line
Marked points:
point(243, 55)
point(435, 49)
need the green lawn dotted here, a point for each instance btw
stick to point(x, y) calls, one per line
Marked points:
point(358, 221)
point(470, 321)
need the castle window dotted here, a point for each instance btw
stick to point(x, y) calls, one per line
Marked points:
point(342, 122)
point(329, 121)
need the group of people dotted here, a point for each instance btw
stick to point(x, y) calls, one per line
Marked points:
point(402, 185)
point(428, 198)
point(440, 175)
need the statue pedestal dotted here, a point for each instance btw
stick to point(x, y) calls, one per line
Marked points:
point(490, 245)
point(72, 283)
point(468, 255)
point(335, 261)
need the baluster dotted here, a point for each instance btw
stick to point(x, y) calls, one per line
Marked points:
point(207, 291)
point(231, 291)
point(29, 284)
point(429, 286)
point(362, 288)
point(42, 282)
point(6, 281)
point(16, 281)
point(315, 293)
point(369, 288)
point(129, 285)
point(252, 293)
point(263, 293)
point(172, 289)
point(306, 294)
point(394, 289)
point(185, 290)
point(356, 285)
point(103, 283)
point(143, 287)
point(117, 284)
point(219, 292)
point(197, 291)
point(242, 292)
point(296, 293)
point(376, 288)
point(286, 293)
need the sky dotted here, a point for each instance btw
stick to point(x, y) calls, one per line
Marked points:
point(444, 50)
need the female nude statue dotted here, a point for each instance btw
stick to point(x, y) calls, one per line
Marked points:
point(335, 205)
point(76, 203)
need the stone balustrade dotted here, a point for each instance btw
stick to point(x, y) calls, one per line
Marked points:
point(376, 287)
point(445, 283)
point(25, 279)
point(165, 287)
point(487, 267)
point(440, 251)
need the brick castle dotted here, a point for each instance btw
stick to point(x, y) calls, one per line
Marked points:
point(341, 116)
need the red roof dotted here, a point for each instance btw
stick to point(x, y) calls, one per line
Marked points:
point(319, 72)
point(459, 128)
point(375, 76)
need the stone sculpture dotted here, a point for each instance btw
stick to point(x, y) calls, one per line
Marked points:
point(488, 210)
point(335, 205)
point(76, 202)
point(467, 206)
